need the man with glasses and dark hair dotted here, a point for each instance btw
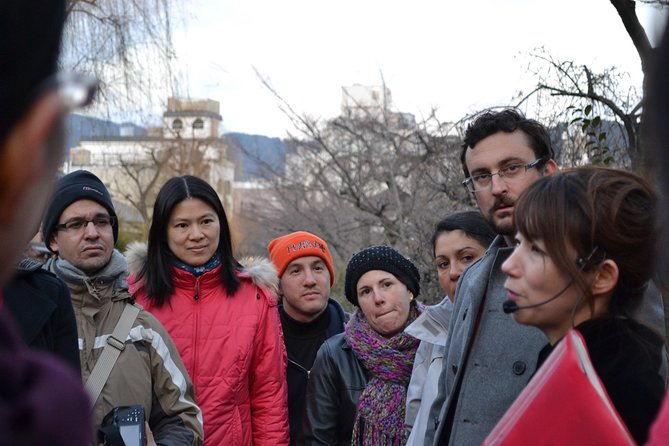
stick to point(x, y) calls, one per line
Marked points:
point(42, 400)
point(489, 358)
point(80, 227)
point(503, 153)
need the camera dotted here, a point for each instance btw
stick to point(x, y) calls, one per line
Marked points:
point(123, 426)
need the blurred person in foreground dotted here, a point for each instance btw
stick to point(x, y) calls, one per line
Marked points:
point(583, 259)
point(42, 400)
point(308, 315)
point(356, 392)
point(459, 240)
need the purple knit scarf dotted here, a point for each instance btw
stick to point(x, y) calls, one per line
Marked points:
point(379, 419)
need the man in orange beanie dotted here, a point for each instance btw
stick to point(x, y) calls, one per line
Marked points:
point(308, 315)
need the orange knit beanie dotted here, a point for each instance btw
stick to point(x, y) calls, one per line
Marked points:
point(285, 249)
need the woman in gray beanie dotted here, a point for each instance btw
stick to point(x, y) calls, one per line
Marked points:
point(356, 393)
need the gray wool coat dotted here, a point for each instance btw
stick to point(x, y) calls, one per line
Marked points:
point(503, 354)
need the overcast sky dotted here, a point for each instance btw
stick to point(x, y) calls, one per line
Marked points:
point(457, 56)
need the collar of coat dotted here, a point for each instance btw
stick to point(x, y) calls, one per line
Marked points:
point(259, 270)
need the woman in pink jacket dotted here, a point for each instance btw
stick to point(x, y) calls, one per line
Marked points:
point(222, 316)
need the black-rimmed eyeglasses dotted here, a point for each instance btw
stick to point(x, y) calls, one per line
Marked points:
point(508, 173)
point(101, 222)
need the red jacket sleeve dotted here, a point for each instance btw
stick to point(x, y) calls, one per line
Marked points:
point(269, 390)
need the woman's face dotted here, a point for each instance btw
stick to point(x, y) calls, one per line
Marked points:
point(193, 231)
point(454, 251)
point(385, 302)
point(533, 278)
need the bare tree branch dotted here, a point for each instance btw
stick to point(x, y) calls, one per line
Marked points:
point(627, 12)
point(127, 44)
point(362, 178)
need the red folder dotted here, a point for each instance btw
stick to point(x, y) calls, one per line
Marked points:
point(565, 403)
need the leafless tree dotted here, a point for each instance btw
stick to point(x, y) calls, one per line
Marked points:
point(370, 176)
point(592, 103)
point(135, 175)
point(603, 94)
point(138, 184)
point(127, 44)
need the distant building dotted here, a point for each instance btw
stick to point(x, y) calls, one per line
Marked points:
point(364, 100)
point(368, 109)
point(191, 119)
point(373, 102)
point(136, 162)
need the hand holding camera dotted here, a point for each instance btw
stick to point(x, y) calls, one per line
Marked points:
point(126, 426)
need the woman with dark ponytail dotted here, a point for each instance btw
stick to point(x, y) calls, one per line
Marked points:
point(583, 259)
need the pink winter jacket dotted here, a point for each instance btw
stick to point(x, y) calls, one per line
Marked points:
point(233, 349)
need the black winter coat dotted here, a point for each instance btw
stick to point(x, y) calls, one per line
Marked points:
point(337, 379)
point(40, 305)
point(297, 373)
point(42, 400)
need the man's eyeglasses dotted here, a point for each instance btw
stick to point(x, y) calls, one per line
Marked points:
point(74, 90)
point(101, 222)
point(511, 172)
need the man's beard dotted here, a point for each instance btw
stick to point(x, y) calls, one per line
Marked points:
point(506, 228)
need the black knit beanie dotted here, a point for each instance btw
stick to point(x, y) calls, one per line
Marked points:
point(79, 185)
point(383, 258)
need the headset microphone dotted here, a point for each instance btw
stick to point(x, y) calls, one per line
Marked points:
point(510, 306)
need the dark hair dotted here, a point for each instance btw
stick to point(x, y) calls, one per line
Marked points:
point(603, 213)
point(471, 223)
point(508, 120)
point(157, 271)
point(29, 48)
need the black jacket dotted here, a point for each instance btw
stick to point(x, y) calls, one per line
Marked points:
point(299, 367)
point(40, 305)
point(337, 379)
point(627, 357)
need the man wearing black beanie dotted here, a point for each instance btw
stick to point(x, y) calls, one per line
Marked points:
point(79, 185)
point(81, 228)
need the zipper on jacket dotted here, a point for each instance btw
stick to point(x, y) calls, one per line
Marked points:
point(300, 366)
point(196, 326)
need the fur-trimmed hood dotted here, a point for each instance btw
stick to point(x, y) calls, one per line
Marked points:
point(259, 269)
point(244, 401)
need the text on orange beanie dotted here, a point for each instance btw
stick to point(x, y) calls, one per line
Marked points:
point(285, 249)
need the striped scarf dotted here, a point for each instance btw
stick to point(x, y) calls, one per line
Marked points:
point(197, 271)
point(379, 419)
